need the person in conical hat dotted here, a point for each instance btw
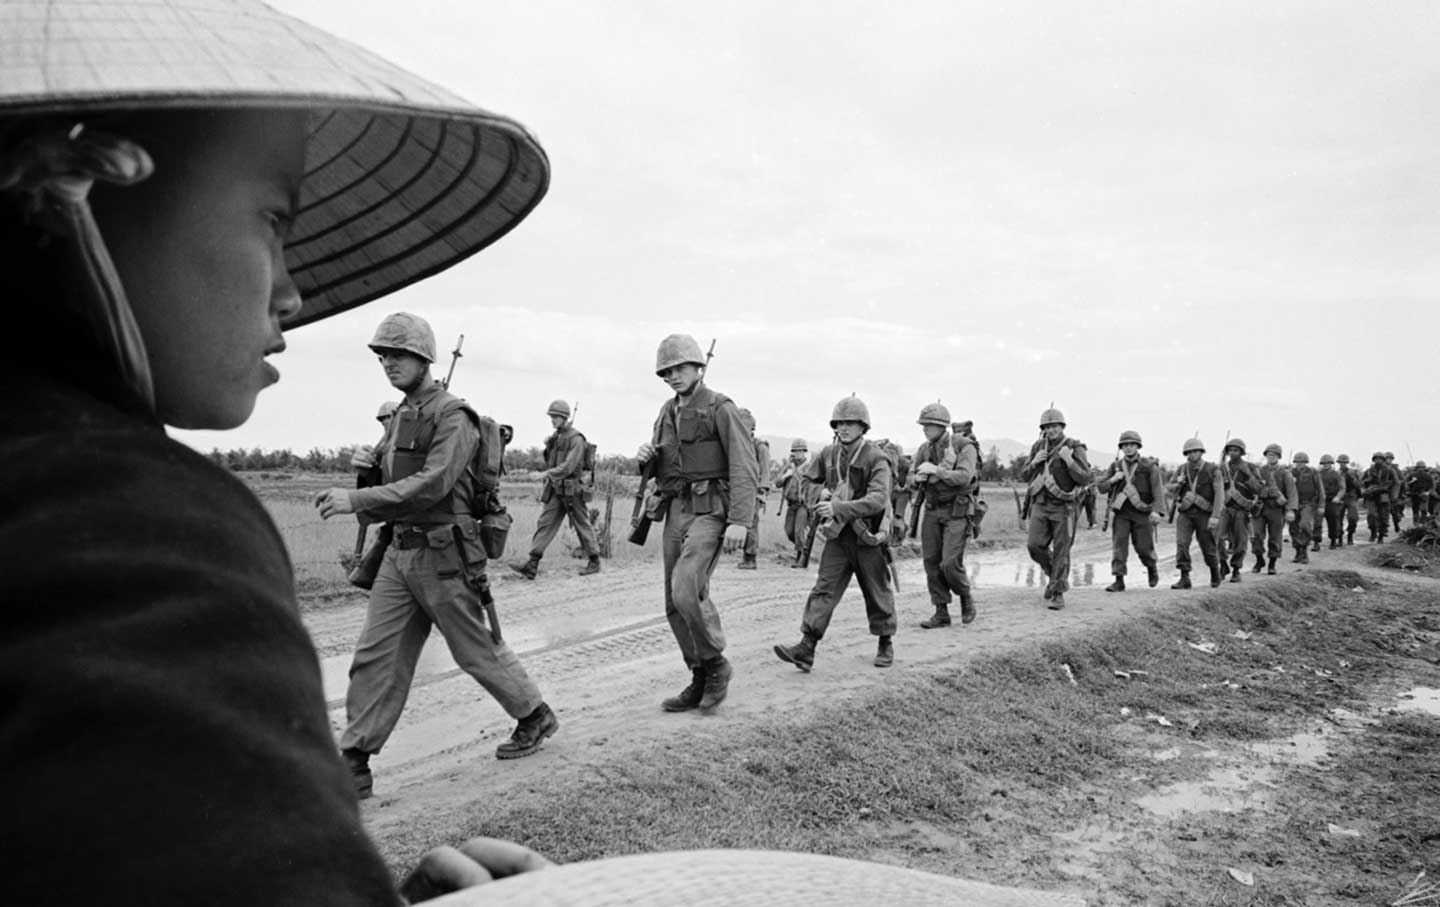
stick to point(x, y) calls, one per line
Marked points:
point(181, 181)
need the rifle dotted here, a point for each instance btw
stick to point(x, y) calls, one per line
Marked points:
point(891, 566)
point(479, 582)
point(1110, 499)
point(1019, 508)
point(810, 533)
point(455, 355)
point(640, 519)
point(918, 503)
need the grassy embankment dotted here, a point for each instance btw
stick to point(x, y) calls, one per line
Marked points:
point(1011, 773)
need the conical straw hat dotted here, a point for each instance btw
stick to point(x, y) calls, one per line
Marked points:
point(743, 878)
point(403, 178)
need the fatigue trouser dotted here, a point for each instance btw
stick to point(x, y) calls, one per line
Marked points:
point(1270, 521)
point(409, 596)
point(553, 512)
point(842, 558)
point(1234, 533)
point(1303, 525)
point(1397, 512)
point(942, 545)
point(1352, 515)
point(1194, 523)
point(752, 532)
point(1377, 516)
point(1419, 508)
point(1127, 525)
point(1052, 529)
point(899, 506)
point(797, 523)
point(691, 548)
point(1334, 518)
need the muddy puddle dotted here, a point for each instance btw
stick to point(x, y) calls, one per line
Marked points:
point(1420, 699)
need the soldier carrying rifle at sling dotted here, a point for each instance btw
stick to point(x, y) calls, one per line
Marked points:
point(945, 477)
point(1136, 498)
point(1058, 474)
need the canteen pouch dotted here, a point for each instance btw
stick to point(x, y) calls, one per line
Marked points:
point(494, 531)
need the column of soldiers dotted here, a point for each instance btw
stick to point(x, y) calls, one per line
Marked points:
point(711, 475)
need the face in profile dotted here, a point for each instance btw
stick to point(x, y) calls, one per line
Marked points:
point(199, 248)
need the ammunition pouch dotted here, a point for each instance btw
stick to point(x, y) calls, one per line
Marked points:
point(708, 496)
point(494, 531)
point(363, 574)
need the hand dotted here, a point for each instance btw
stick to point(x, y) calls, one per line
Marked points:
point(363, 459)
point(1154, 518)
point(927, 469)
point(734, 532)
point(475, 862)
point(825, 509)
point(333, 501)
point(1290, 515)
point(1067, 455)
point(1214, 523)
point(645, 451)
point(1039, 458)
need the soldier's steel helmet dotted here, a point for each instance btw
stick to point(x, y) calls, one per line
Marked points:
point(934, 414)
point(1420, 464)
point(1326, 458)
point(1052, 416)
point(850, 409)
point(1377, 455)
point(1389, 455)
point(1193, 444)
point(1275, 449)
point(558, 408)
point(799, 446)
point(1129, 437)
point(678, 349)
point(403, 331)
point(387, 409)
point(1300, 457)
point(1343, 458)
point(962, 428)
point(1236, 443)
point(747, 419)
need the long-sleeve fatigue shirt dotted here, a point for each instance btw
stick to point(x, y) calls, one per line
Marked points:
point(451, 450)
point(735, 438)
point(1277, 479)
point(569, 467)
point(956, 469)
point(876, 497)
point(1121, 473)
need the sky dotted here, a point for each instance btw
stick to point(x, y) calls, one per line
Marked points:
point(1180, 218)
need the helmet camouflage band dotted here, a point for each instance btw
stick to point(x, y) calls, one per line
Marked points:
point(1300, 457)
point(403, 331)
point(1236, 443)
point(387, 409)
point(1192, 445)
point(1326, 459)
point(558, 408)
point(934, 414)
point(1275, 449)
point(799, 446)
point(1129, 437)
point(1052, 416)
point(850, 409)
point(747, 419)
point(678, 349)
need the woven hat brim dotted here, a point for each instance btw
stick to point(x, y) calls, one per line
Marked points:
point(732, 878)
point(403, 179)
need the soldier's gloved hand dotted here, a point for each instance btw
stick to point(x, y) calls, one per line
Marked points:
point(644, 452)
point(475, 862)
point(735, 532)
point(363, 458)
point(333, 501)
point(927, 469)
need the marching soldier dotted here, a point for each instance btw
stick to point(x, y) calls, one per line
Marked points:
point(1200, 494)
point(1058, 474)
point(899, 489)
point(762, 463)
point(949, 476)
point(1242, 499)
point(425, 578)
point(1334, 499)
point(793, 499)
point(1277, 503)
point(1136, 498)
point(706, 487)
point(855, 505)
point(1378, 486)
point(1310, 495)
point(563, 494)
point(1397, 493)
point(1419, 485)
point(1351, 479)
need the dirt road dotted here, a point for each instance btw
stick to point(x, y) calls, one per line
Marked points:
point(604, 656)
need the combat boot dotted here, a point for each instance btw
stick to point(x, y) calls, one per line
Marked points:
point(1350, 537)
point(1214, 576)
point(717, 684)
point(746, 563)
point(802, 654)
point(1302, 555)
point(529, 733)
point(592, 567)
point(1057, 600)
point(1183, 582)
point(1152, 575)
point(1118, 585)
point(358, 761)
point(1315, 545)
point(1270, 570)
point(1235, 575)
point(1259, 564)
point(941, 618)
point(688, 698)
point(527, 569)
point(884, 653)
point(967, 608)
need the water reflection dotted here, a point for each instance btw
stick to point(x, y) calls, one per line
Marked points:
point(1018, 572)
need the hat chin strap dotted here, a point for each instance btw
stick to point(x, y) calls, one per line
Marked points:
point(56, 170)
